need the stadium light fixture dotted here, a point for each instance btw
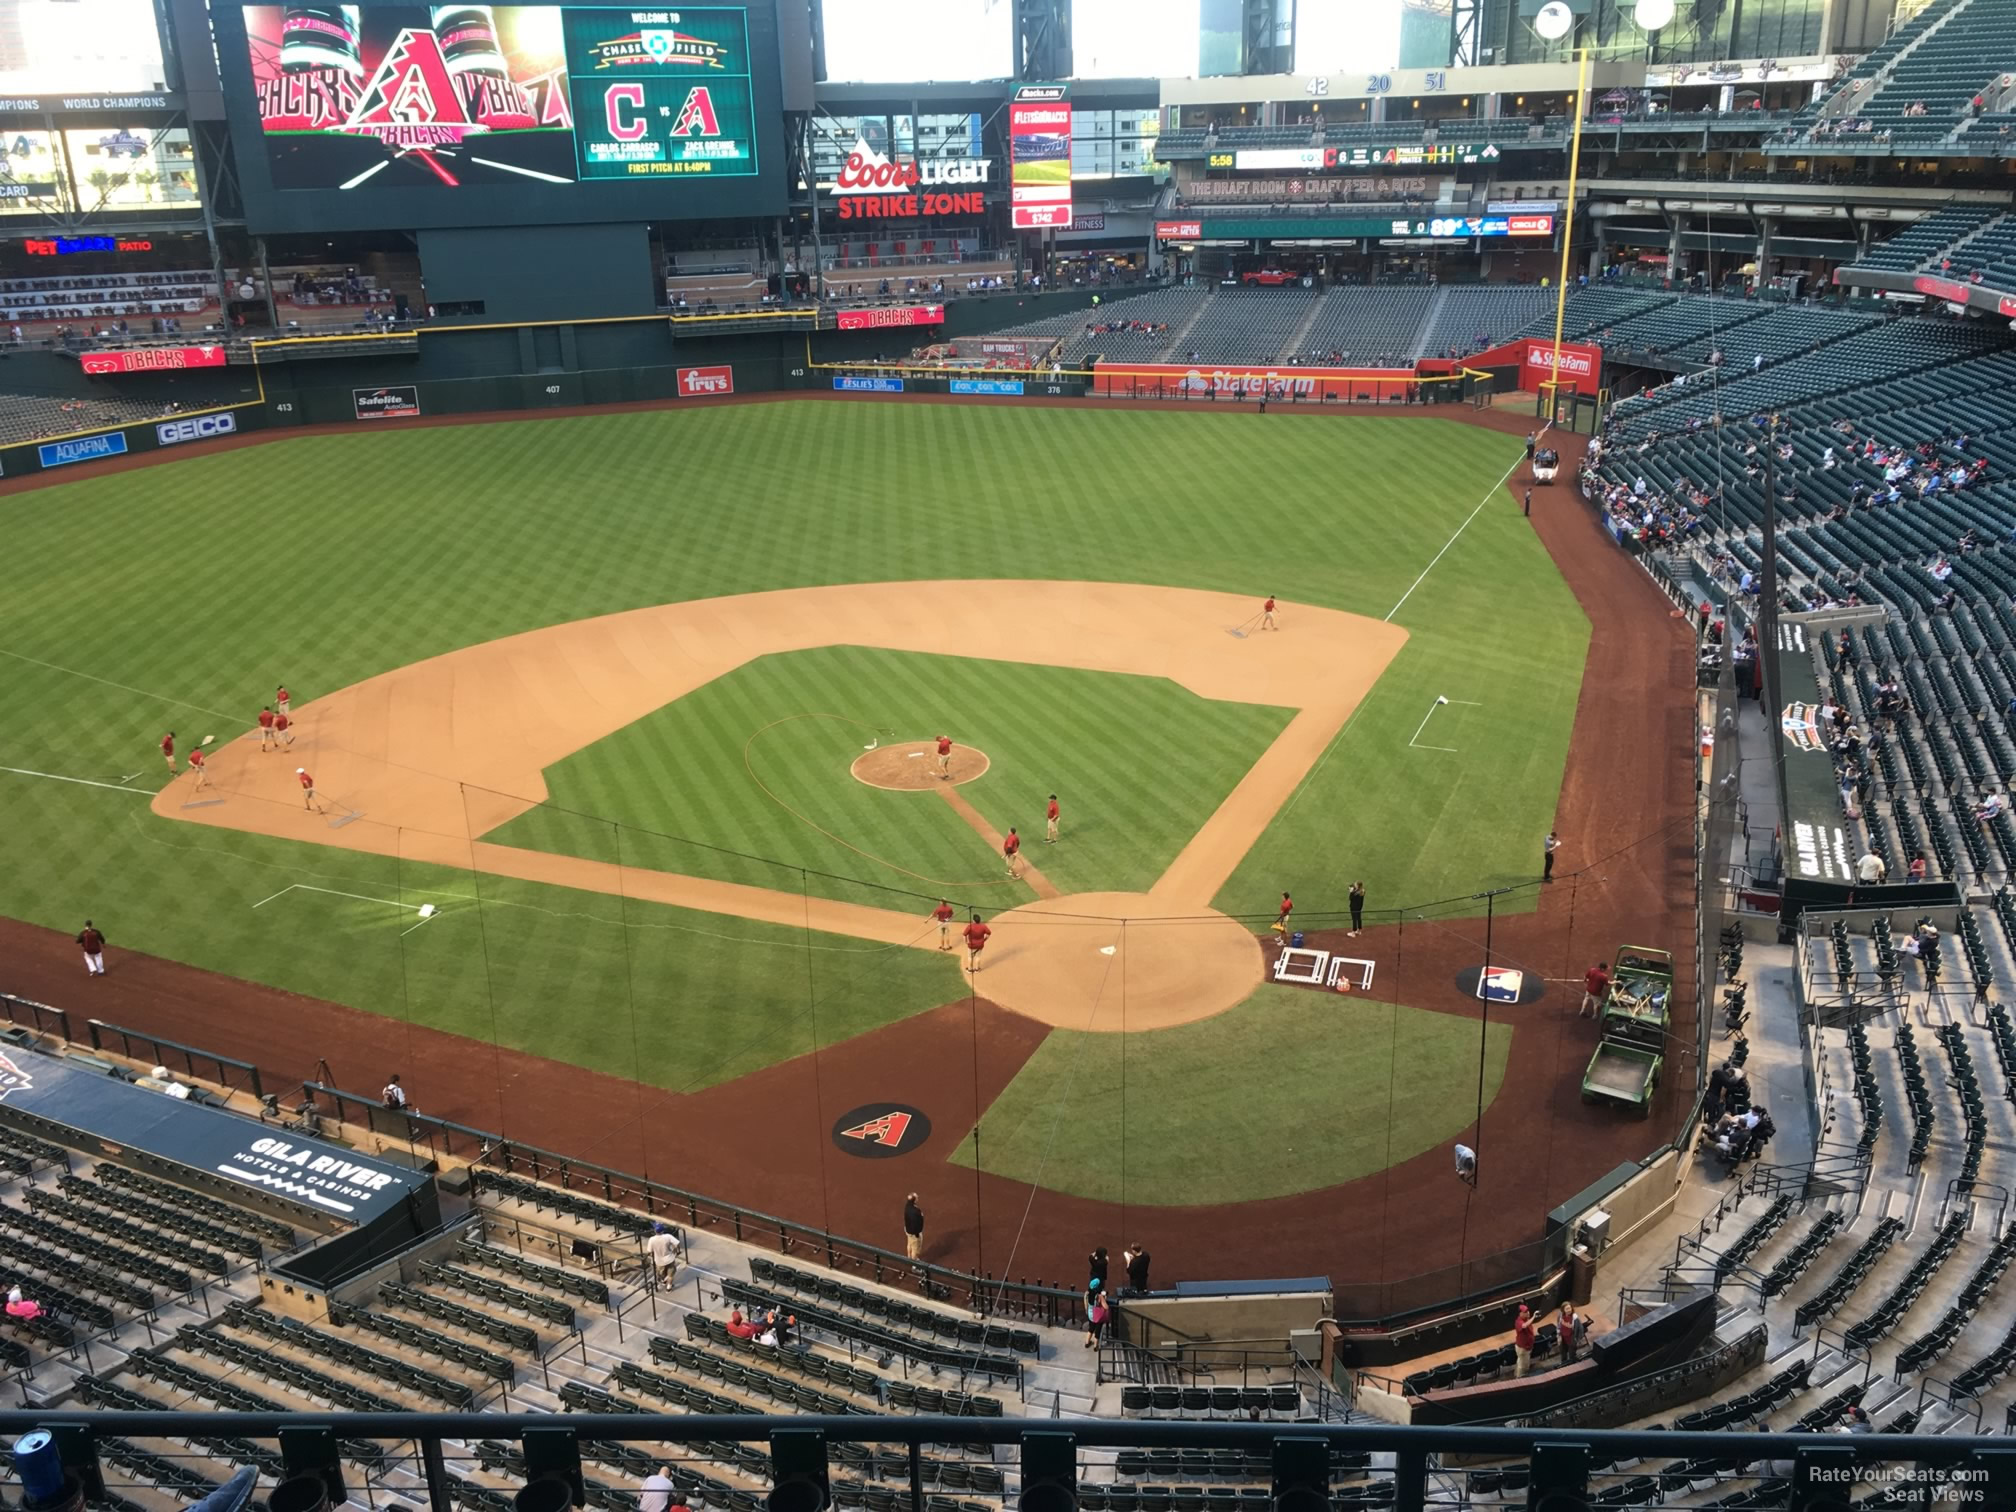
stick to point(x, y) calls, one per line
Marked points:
point(1651, 15)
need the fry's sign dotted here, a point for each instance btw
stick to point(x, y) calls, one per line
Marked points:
point(870, 186)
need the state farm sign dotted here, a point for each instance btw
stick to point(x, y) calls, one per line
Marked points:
point(870, 186)
point(900, 315)
point(1581, 366)
point(702, 382)
point(1573, 363)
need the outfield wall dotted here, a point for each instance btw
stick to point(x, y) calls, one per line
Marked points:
point(476, 369)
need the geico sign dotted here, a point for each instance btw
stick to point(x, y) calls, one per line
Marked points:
point(196, 428)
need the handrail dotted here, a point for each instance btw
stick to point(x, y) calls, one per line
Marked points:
point(189, 1053)
point(35, 1012)
point(1698, 1365)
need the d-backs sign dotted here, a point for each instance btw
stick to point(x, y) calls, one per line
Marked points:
point(152, 360)
point(450, 95)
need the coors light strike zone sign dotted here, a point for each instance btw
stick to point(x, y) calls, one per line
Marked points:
point(873, 187)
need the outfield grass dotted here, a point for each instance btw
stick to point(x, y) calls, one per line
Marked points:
point(179, 595)
point(1291, 1091)
point(739, 769)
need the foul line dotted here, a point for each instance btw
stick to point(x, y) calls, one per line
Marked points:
point(117, 787)
point(1415, 743)
point(1502, 477)
point(122, 687)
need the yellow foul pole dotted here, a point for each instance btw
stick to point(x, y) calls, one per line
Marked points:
point(1568, 214)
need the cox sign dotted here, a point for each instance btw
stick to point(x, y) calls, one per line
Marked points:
point(195, 428)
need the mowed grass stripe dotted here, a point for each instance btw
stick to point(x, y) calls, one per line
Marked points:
point(681, 771)
point(1120, 1116)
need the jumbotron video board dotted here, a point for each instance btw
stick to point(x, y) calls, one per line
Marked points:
point(455, 115)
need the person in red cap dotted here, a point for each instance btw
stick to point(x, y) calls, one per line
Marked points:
point(943, 914)
point(283, 733)
point(944, 757)
point(976, 941)
point(266, 729)
point(196, 766)
point(307, 789)
point(280, 698)
point(1050, 818)
point(168, 751)
point(1012, 849)
point(1524, 1336)
point(1267, 614)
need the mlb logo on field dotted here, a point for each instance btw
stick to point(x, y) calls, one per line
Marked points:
point(1500, 984)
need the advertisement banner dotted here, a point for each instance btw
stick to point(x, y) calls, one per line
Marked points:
point(443, 96)
point(901, 315)
point(1310, 190)
point(82, 449)
point(1184, 380)
point(1178, 230)
point(869, 385)
point(152, 359)
point(705, 382)
point(399, 402)
point(1290, 158)
point(195, 428)
point(873, 186)
point(1941, 288)
point(986, 385)
point(1476, 225)
point(1581, 366)
point(1039, 140)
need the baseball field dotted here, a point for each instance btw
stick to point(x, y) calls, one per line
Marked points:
point(623, 733)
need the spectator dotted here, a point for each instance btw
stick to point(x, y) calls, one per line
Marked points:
point(394, 1095)
point(658, 1492)
point(1523, 1337)
point(20, 1307)
point(741, 1327)
point(1870, 868)
point(913, 1227)
point(1095, 1319)
point(1097, 1266)
point(1135, 1259)
point(665, 1250)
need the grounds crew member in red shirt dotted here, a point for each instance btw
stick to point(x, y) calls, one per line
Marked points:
point(1287, 908)
point(196, 766)
point(944, 757)
point(266, 723)
point(976, 941)
point(1267, 614)
point(283, 734)
point(1595, 986)
point(168, 750)
point(280, 698)
point(1012, 849)
point(943, 914)
point(1050, 817)
point(92, 943)
point(307, 789)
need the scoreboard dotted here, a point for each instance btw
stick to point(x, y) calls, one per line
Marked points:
point(354, 116)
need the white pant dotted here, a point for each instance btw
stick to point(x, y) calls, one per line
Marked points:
point(94, 965)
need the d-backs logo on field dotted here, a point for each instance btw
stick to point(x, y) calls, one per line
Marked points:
point(880, 1130)
point(12, 1077)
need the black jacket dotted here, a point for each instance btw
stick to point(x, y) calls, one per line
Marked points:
point(913, 1219)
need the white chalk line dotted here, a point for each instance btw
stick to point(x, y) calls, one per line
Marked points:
point(179, 703)
point(117, 787)
point(1415, 743)
point(1502, 477)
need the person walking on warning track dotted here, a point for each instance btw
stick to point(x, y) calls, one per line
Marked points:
point(92, 943)
point(1595, 987)
point(266, 729)
point(283, 730)
point(308, 789)
point(1547, 848)
point(280, 699)
point(1050, 820)
point(394, 1095)
point(976, 941)
point(196, 766)
point(1267, 614)
point(943, 914)
point(913, 1225)
point(944, 757)
point(1281, 922)
point(1357, 907)
point(168, 751)
point(1012, 849)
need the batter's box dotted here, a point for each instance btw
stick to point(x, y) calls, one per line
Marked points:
point(1303, 967)
point(1350, 969)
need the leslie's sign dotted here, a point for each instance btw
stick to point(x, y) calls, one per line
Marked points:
point(870, 186)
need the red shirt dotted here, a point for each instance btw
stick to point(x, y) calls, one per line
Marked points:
point(1287, 907)
point(976, 935)
point(167, 745)
point(1596, 980)
point(944, 745)
point(281, 696)
point(279, 721)
point(307, 781)
point(1011, 845)
point(196, 757)
point(1270, 606)
point(1051, 812)
point(942, 913)
point(1523, 1333)
point(265, 719)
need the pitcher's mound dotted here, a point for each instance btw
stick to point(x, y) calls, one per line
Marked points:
point(1114, 962)
point(911, 766)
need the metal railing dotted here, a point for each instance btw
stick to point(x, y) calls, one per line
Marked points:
point(439, 1140)
point(26, 1013)
point(807, 1468)
point(206, 1065)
